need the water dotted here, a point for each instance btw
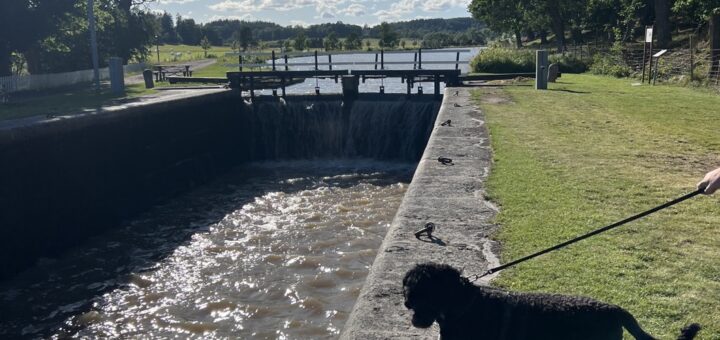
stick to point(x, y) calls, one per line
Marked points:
point(272, 250)
point(392, 85)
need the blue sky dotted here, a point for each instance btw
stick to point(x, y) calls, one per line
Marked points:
point(305, 12)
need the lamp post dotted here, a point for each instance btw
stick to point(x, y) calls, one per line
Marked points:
point(93, 44)
point(157, 47)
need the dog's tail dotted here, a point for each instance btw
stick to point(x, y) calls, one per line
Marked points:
point(689, 332)
point(628, 321)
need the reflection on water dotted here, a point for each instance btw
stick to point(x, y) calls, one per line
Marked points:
point(273, 250)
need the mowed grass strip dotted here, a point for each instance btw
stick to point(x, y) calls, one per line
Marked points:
point(593, 150)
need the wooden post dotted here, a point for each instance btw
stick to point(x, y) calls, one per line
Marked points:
point(436, 82)
point(286, 62)
point(692, 59)
point(273, 60)
point(316, 63)
point(382, 59)
point(330, 64)
point(376, 59)
point(240, 62)
point(415, 61)
point(457, 60)
point(714, 31)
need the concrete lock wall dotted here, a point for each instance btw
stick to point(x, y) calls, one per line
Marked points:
point(68, 179)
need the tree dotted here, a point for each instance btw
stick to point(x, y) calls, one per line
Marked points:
point(167, 29)
point(388, 37)
point(300, 41)
point(244, 37)
point(368, 45)
point(188, 31)
point(662, 23)
point(330, 42)
point(353, 42)
point(501, 16)
point(287, 46)
point(402, 44)
point(205, 43)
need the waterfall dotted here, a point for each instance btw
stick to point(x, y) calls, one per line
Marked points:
point(379, 127)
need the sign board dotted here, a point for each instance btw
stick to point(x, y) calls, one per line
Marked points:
point(649, 35)
point(659, 54)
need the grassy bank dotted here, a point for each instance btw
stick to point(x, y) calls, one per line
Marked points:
point(591, 151)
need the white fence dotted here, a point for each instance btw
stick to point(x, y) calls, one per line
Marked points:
point(11, 84)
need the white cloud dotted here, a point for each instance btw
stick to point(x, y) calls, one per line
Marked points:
point(354, 10)
point(260, 5)
point(163, 2)
point(244, 17)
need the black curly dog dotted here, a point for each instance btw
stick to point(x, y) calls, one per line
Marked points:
point(439, 293)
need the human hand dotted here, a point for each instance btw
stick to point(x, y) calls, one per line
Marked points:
point(710, 183)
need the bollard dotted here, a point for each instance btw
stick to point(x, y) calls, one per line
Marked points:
point(148, 76)
point(117, 78)
point(541, 70)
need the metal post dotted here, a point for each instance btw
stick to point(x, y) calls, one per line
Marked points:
point(437, 85)
point(93, 44)
point(420, 59)
point(457, 61)
point(376, 60)
point(415, 61)
point(651, 57)
point(330, 64)
point(273, 60)
point(382, 59)
point(252, 88)
point(240, 62)
point(316, 63)
point(157, 47)
point(644, 59)
point(409, 85)
point(286, 62)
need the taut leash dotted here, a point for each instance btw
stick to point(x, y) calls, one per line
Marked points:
point(592, 233)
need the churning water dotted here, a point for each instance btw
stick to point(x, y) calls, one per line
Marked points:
point(272, 250)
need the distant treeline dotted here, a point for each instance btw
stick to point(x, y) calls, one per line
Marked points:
point(225, 32)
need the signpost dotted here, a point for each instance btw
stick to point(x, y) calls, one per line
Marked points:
point(647, 52)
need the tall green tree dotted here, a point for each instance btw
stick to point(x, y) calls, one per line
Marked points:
point(388, 37)
point(501, 16)
point(300, 41)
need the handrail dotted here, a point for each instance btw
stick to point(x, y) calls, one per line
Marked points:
point(325, 53)
point(340, 63)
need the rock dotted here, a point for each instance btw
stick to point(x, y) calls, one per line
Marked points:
point(553, 72)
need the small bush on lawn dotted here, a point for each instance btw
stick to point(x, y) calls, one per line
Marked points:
point(610, 66)
point(503, 60)
point(507, 60)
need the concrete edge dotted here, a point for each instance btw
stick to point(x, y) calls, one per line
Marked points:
point(452, 197)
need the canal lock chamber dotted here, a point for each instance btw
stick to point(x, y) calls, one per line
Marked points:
point(70, 181)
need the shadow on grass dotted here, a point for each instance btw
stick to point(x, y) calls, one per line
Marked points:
point(570, 91)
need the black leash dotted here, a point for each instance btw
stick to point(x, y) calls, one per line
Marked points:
point(592, 233)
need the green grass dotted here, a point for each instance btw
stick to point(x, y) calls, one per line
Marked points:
point(179, 53)
point(70, 100)
point(594, 150)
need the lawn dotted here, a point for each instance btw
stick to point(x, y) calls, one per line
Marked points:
point(593, 150)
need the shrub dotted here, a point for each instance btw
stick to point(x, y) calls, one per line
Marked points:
point(570, 64)
point(503, 60)
point(507, 60)
point(610, 66)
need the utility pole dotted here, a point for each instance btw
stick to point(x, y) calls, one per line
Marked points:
point(93, 44)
